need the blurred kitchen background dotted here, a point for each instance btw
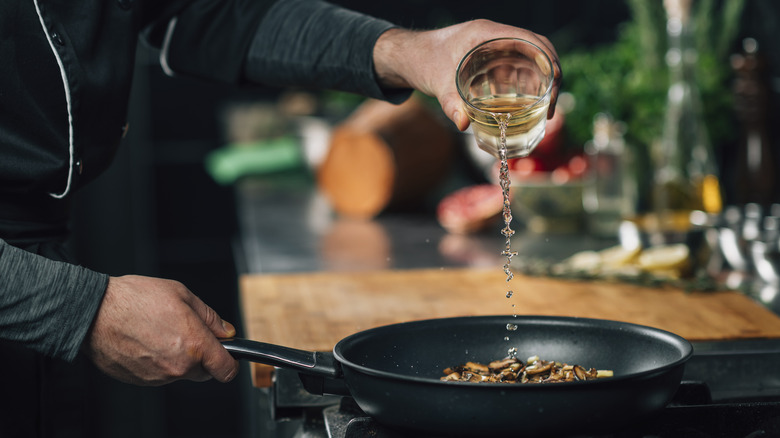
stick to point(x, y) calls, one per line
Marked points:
point(168, 205)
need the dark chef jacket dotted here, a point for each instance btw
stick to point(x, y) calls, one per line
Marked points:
point(65, 73)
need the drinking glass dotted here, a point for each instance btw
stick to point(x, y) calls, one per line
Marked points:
point(509, 80)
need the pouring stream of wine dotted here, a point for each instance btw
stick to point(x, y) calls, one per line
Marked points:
point(507, 231)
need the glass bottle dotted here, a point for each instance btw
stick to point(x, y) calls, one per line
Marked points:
point(755, 179)
point(604, 197)
point(686, 177)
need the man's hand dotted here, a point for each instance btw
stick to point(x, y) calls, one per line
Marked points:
point(427, 60)
point(150, 331)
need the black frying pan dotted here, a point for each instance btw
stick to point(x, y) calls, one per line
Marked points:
point(393, 374)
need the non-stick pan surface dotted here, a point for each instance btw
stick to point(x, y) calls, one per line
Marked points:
point(393, 374)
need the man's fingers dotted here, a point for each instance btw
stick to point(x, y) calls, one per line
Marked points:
point(453, 108)
point(557, 79)
point(229, 329)
point(216, 360)
point(219, 327)
point(219, 363)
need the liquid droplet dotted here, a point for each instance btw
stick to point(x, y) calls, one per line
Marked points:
point(509, 294)
point(511, 327)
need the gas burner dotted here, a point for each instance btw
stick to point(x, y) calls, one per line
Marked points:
point(690, 415)
point(347, 420)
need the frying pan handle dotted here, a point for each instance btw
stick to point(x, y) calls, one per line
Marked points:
point(319, 372)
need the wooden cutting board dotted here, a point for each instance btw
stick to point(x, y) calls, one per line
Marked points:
point(313, 311)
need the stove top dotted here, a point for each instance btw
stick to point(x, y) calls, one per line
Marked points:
point(690, 415)
point(740, 399)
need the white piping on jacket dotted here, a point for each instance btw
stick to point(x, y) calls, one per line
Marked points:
point(66, 85)
point(164, 51)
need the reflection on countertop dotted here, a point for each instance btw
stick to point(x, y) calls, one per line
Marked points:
point(286, 225)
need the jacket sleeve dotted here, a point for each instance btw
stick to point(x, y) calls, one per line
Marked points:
point(306, 43)
point(318, 45)
point(45, 305)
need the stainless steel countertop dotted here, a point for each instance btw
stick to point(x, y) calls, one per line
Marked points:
point(285, 225)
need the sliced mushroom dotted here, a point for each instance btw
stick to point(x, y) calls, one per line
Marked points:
point(579, 373)
point(454, 375)
point(538, 368)
point(498, 365)
point(511, 370)
point(476, 367)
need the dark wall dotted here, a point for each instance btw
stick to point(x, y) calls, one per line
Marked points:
point(566, 23)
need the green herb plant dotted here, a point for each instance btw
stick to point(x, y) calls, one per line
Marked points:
point(628, 79)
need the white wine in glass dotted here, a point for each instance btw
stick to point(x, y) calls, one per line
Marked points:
point(525, 118)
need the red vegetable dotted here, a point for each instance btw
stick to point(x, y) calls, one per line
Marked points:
point(471, 208)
